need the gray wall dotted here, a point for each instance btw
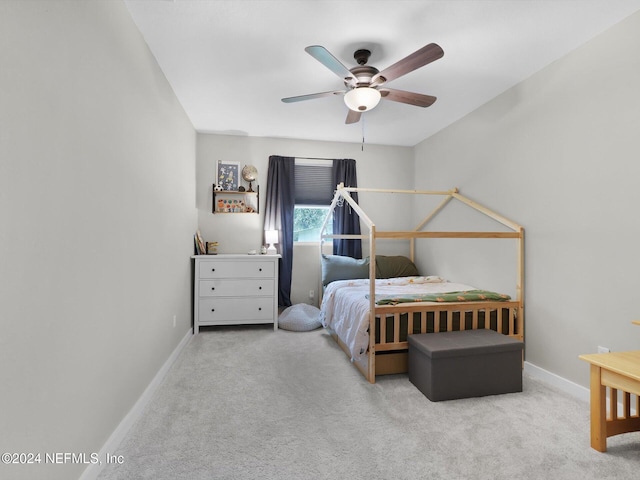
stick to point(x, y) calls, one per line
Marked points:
point(97, 194)
point(378, 167)
point(558, 154)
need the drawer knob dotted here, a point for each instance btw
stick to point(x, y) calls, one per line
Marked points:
point(259, 269)
point(259, 308)
point(213, 288)
point(213, 269)
point(213, 309)
point(259, 288)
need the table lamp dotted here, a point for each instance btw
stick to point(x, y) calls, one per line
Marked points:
point(271, 237)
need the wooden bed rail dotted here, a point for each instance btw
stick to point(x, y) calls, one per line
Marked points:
point(387, 353)
point(499, 316)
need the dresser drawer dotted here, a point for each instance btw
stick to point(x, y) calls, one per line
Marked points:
point(239, 269)
point(235, 310)
point(236, 288)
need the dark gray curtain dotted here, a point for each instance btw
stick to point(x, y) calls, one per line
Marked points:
point(279, 207)
point(345, 220)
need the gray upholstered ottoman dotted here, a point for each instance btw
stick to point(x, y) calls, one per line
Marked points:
point(469, 363)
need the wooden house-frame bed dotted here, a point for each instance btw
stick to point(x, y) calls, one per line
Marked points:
point(391, 324)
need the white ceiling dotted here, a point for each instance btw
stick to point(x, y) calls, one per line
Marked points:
point(231, 61)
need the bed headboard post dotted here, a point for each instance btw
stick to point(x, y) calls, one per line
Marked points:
point(372, 304)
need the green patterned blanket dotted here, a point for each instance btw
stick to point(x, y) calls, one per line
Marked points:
point(467, 296)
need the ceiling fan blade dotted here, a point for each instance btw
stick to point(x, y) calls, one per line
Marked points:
point(311, 96)
point(410, 98)
point(353, 117)
point(332, 63)
point(417, 59)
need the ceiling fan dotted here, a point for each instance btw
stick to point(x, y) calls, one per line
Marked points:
point(366, 84)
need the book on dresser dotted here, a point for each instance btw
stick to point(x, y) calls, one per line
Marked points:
point(235, 289)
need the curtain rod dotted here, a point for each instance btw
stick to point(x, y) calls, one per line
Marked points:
point(314, 158)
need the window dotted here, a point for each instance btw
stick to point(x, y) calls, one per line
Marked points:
point(307, 222)
point(313, 194)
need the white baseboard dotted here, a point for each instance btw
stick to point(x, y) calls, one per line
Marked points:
point(557, 381)
point(111, 445)
point(578, 391)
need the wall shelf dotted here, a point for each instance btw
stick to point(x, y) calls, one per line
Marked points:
point(227, 201)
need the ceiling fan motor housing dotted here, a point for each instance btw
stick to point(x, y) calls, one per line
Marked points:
point(363, 75)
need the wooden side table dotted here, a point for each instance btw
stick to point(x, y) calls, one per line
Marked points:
point(616, 371)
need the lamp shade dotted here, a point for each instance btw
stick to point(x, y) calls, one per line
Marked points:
point(362, 99)
point(271, 236)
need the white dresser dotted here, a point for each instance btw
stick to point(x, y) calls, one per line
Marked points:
point(235, 289)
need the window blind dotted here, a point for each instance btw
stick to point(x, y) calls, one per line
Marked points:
point(314, 183)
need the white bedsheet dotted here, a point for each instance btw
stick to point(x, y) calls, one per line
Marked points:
point(345, 305)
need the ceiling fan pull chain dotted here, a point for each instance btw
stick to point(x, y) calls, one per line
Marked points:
point(363, 120)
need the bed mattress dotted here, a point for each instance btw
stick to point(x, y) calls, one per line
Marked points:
point(345, 304)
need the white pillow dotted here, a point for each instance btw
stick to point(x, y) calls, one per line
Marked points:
point(300, 318)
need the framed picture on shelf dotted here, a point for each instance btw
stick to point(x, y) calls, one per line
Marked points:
point(228, 175)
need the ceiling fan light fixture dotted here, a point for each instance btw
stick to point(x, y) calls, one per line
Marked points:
point(362, 99)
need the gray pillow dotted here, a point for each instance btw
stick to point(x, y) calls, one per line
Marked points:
point(338, 267)
point(300, 318)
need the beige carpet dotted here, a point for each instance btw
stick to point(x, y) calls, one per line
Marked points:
point(251, 403)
